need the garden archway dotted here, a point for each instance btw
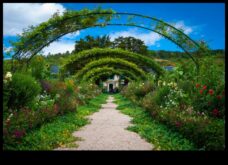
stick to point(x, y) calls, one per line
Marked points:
point(34, 39)
point(77, 61)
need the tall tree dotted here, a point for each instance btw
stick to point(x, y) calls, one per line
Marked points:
point(90, 42)
point(131, 44)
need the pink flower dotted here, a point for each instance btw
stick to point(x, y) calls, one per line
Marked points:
point(19, 133)
point(215, 112)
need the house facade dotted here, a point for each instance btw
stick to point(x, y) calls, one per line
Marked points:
point(112, 83)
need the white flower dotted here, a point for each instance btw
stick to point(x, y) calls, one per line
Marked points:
point(57, 95)
point(8, 76)
point(164, 83)
point(10, 115)
point(159, 82)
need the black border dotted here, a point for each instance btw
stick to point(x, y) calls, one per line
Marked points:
point(100, 156)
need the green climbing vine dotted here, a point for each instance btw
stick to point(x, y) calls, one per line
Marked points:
point(114, 62)
point(77, 61)
point(35, 38)
point(96, 71)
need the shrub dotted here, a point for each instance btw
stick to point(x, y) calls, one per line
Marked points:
point(23, 89)
point(137, 90)
point(39, 68)
point(186, 85)
point(208, 100)
point(207, 134)
point(160, 95)
point(46, 85)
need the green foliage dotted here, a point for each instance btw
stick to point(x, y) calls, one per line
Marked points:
point(57, 133)
point(65, 98)
point(210, 74)
point(130, 44)
point(193, 126)
point(39, 68)
point(114, 62)
point(87, 91)
point(208, 100)
point(36, 37)
point(90, 42)
point(23, 89)
point(77, 61)
point(139, 89)
point(155, 133)
point(96, 73)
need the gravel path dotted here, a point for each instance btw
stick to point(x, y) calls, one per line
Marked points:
point(107, 131)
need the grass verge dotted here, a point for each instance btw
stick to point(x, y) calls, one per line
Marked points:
point(58, 133)
point(155, 133)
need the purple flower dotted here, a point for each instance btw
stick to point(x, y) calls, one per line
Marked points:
point(45, 85)
point(19, 133)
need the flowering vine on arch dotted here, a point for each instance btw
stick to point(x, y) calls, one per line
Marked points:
point(34, 39)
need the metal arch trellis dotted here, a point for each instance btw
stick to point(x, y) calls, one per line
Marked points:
point(162, 28)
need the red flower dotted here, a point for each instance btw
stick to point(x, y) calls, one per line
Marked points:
point(197, 85)
point(204, 87)
point(215, 112)
point(201, 91)
point(211, 92)
point(178, 124)
point(219, 97)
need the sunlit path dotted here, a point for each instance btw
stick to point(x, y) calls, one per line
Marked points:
point(107, 132)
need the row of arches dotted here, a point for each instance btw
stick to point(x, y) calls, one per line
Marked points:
point(93, 62)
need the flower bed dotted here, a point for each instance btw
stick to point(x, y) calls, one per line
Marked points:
point(170, 105)
point(56, 98)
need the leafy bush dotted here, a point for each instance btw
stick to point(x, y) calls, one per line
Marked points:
point(39, 68)
point(186, 85)
point(170, 105)
point(23, 89)
point(196, 127)
point(137, 90)
point(88, 91)
point(210, 101)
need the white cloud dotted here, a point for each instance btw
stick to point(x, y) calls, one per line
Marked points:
point(149, 38)
point(17, 16)
point(72, 35)
point(66, 43)
point(7, 49)
point(59, 47)
point(180, 24)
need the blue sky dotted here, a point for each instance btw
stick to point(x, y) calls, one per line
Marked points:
point(201, 21)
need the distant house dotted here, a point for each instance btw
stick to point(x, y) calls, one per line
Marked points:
point(112, 83)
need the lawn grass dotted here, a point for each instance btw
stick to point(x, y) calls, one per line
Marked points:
point(155, 133)
point(58, 133)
